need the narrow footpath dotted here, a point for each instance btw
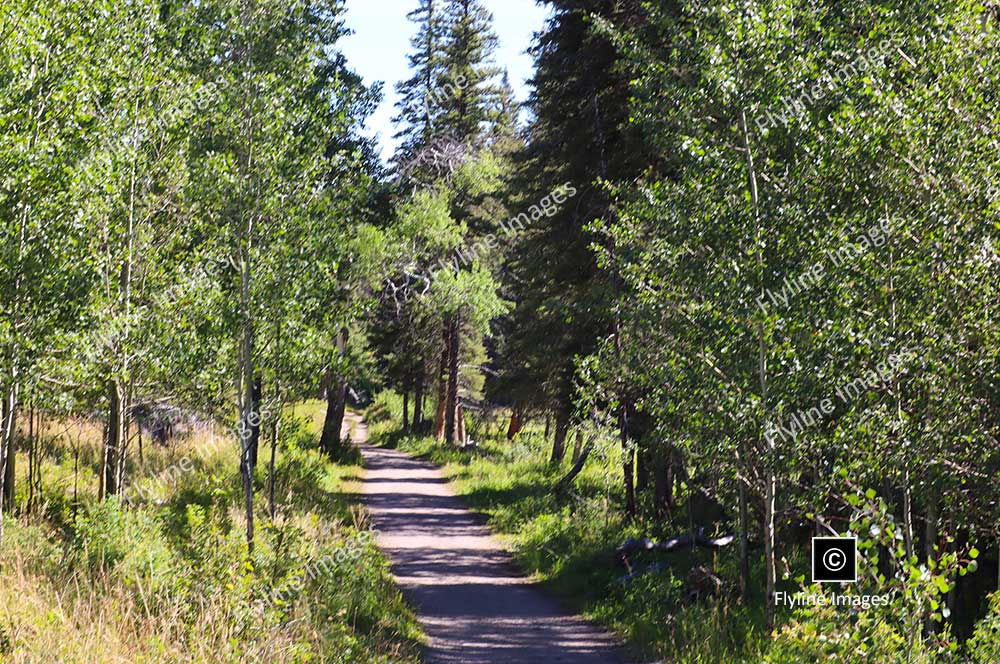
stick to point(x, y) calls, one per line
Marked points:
point(473, 603)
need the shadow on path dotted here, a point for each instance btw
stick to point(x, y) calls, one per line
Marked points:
point(471, 600)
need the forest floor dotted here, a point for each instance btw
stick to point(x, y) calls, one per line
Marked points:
point(473, 603)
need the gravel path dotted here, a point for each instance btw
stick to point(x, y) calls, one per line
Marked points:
point(471, 600)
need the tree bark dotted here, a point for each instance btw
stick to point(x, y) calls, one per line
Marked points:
point(516, 421)
point(249, 416)
point(744, 543)
point(578, 445)
point(38, 458)
point(930, 541)
point(246, 475)
point(770, 564)
point(118, 397)
point(406, 409)
point(114, 439)
point(32, 456)
point(418, 399)
point(930, 528)
point(641, 468)
point(138, 433)
point(333, 421)
point(460, 423)
point(8, 415)
point(663, 483)
point(255, 428)
point(8, 408)
point(442, 392)
point(451, 408)
point(577, 466)
point(628, 470)
point(770, 477)
point(10, 474)
point(275, 426)
point(275, 423)
point(126, 435)
point(336, 402)
point(559, 442)
point(8, 455)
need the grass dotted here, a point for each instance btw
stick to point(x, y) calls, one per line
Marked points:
point(168, 579)
point(568, 542)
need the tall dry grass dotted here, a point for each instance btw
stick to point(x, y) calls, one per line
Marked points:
point(166, 579)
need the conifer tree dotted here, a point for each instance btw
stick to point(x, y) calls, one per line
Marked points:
point(418, 107)
point(445, 158)
point(468, 90)
point(505, 138)
point(579, 135)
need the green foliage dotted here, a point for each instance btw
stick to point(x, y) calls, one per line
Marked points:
point(579, 136)
point(800, 139)
point(890, 632)
point(419, 105)
point(109, 537)
point(467, 67)
point(384, 410)
point(984, 646)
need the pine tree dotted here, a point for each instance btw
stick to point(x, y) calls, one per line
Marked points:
point(450, 109)
point(467, 90)
point(580, 135)
point(418, 108)
point(505, 138)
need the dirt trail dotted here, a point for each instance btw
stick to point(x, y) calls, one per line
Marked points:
point(471, 600)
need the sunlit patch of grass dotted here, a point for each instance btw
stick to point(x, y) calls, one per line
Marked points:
point(313, 411)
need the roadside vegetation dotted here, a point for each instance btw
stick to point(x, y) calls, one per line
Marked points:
point(167, 579)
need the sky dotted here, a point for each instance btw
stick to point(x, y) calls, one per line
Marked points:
point(381, 41)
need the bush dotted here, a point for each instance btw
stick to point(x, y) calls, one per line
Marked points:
point(984, 646)
point(824, 634)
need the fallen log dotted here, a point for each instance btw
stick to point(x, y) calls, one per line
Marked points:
point(688, 540)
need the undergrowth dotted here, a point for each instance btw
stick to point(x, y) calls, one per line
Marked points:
point(167, 578)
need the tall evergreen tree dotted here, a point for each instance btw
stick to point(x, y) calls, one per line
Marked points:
point(467, 86)
point(505, 138)
point(455, 177)
point(418, 106)
point(579, 135)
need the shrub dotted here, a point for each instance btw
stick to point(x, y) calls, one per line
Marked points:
point(984, 646)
